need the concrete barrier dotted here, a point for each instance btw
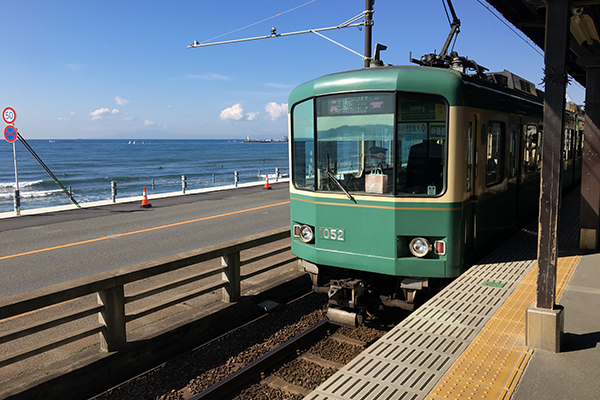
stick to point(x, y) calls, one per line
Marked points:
point(112, 299)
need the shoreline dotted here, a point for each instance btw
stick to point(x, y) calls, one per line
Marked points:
point(100, 203)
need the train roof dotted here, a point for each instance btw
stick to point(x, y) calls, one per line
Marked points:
point(458, 88)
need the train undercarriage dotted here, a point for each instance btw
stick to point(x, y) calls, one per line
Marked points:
point(351, 297)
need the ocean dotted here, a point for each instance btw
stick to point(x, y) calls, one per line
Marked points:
point(89, 166)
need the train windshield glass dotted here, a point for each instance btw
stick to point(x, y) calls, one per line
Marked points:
point(351, 143)
point(355, 133)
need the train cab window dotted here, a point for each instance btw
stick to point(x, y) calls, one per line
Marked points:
point(354, 143)
point(303, 145)
point(421, 141)
point(494, 168)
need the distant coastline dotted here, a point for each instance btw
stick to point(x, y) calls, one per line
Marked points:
point(283, 139)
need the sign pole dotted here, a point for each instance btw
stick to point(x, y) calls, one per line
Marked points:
point(9, 115)
point(17, 198)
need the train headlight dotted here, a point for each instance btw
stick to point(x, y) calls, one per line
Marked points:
point(419, 247)
point(306, 234)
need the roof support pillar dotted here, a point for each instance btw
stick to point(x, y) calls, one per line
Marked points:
point(545, 319)
point(557, 22)
point(589, 222)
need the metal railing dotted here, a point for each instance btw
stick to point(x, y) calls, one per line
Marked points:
point(110, 289)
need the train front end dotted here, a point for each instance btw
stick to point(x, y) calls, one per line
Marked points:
point(373, 200)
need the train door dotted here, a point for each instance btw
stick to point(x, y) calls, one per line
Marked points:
point(470, 218)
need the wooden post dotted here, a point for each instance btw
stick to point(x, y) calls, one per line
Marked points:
point(113, 317)
point(232, 275)
point(544, 319)
point(557, 22)
point(589, 222)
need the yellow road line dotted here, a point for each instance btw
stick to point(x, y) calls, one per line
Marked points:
point(141, 231)
point(494, 362)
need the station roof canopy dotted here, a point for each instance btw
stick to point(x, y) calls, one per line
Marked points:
point(529, 16)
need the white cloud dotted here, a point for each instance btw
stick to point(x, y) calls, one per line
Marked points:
point(276, 110)
point(252, 116)
point(148, 122)
point(120, 101)
point(99, 113)
point(208, 77)
point(281, 85)
point(74, 67)
point(235, 112)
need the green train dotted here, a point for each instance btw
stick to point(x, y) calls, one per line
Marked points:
point(404, 174)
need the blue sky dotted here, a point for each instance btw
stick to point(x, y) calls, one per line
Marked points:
point(122, 69)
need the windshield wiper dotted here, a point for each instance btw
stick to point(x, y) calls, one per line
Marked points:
point(338, 182)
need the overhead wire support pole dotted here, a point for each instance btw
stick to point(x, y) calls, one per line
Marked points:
point(368, 31)
point(39, 160)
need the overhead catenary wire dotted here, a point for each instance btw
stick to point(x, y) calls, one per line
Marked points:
point(537, 50)
point(511, 28)
point(258, 22)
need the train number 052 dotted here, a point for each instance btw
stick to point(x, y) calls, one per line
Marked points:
point(332, 234)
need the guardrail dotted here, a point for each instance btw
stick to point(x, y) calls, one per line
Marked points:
point(110, 289)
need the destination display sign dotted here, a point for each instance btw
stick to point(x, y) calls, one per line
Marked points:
point(357, 104)
point(421, 111)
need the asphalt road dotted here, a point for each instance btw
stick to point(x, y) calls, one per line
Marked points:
point(45, 249)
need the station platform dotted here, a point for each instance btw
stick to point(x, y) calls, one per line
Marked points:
point(468, 342)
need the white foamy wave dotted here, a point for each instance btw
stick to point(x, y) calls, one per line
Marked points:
point(38, 193)
point(29, 194)
point(21, 184)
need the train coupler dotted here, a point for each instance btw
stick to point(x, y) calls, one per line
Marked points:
point(345, 306)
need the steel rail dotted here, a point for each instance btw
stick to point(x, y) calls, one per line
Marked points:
point(254, 369)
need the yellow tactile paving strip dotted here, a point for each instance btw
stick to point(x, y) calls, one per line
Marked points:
point(492, 365)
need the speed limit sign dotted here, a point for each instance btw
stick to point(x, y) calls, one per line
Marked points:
point(9, 115)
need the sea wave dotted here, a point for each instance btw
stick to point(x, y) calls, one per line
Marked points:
point(33, 194)
point(21, 184)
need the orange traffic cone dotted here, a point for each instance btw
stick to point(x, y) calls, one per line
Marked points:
point(145, 202)
point(267, 183)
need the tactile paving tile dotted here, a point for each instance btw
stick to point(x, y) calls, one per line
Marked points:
point(458, 345)
point(410, 360)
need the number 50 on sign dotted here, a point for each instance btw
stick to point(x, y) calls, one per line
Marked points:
point(9, 115)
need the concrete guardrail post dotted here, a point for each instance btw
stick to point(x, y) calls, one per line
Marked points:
point(113, 318)
point(232, 292)
point(113, 191)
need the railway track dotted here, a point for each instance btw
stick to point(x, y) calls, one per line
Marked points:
point(284, 355)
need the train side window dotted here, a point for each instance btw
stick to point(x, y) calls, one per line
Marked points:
point(567, 145)
point(530, 148)
point(303, 145)
point(469, 154)
point(514, 150)
point(494, 168)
